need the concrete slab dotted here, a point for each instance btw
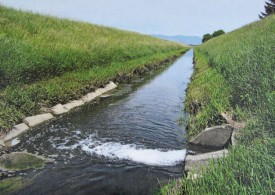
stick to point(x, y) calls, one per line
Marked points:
point(38, 119)
point(56, 110)
point(105, 96)
point(100, 91)
point(16, 130)
point(59, 109)
point(207, 156)
point(21, 127)
point(110, 86)
point(1, 143)
point(214, 137)
point(73, 104)
point(91, 96)
point(197, 162)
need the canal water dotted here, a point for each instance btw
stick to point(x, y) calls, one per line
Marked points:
point(130, 142)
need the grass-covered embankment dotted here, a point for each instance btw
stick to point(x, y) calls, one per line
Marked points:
point(236, 73)
point(45, 60)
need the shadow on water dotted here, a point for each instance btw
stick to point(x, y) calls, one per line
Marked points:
point(127, 143)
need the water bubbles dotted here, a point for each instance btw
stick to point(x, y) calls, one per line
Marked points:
point(119, 151)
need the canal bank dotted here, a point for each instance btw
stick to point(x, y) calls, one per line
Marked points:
point(234, 83)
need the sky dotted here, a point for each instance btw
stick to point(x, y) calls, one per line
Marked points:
point(166, 17)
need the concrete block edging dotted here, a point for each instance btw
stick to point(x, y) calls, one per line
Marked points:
point(58, 109)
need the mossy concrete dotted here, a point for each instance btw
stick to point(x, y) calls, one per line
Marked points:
point(10, 185)
point(18, 161)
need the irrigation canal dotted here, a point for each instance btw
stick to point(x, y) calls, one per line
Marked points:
point(128, 143)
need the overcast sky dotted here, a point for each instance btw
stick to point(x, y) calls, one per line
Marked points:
point(166, 17)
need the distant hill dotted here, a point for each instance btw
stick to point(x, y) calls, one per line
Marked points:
point(189, 40)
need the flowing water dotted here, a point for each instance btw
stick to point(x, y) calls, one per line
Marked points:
point(128, 143)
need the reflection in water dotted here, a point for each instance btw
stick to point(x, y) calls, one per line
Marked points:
point(129, 143)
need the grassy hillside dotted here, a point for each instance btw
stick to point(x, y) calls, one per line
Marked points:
point(45, 60)
point(235, 73)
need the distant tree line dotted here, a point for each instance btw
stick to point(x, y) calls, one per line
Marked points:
point(208, 36)
point(269, 9)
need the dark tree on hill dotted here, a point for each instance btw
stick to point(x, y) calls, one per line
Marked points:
point(206, 37)
point(218, 33)
point(269, 9)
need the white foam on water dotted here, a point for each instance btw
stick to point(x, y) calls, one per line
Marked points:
point(131, 152)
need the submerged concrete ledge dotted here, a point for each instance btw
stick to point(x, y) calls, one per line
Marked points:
point(58, 109)
point(197, 162)
point(17, 130)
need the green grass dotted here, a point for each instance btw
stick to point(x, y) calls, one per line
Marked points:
point(45, 60)
point(206, 98)
point(236, 73)
point(244, 171)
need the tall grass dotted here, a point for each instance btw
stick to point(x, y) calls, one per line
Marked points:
point(236, 73)
point(35, 47)
point(45, 60)
point(206, 97)
point(244, 62)
point(247, 170)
